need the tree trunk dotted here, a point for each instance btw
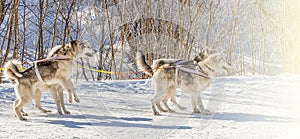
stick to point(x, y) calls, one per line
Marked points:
point(16, 44)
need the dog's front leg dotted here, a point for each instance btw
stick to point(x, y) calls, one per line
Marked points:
point(65, 85)
point(56, 99)
point(200, 105)
point(73, 91)
point(37, 99)
point(61, 99)
point(19, 103)
point(193, 102)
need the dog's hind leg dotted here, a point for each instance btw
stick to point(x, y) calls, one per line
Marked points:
point(23, 113)
point(165, 102)
point(158, 105)
point(19, 103)
point(168, 94)
point(159, 89)
point(156, 99)
point(173, 100)
point(172, 94)
point(61, 99)
point(22, 99)
point(153, 102)
point(37, 99)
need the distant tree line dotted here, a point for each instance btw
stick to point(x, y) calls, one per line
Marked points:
point(248, 32)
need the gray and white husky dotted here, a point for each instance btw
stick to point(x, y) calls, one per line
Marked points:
point(55, 74)
point(166, 79)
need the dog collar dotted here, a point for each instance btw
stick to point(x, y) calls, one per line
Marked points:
point(193, 71)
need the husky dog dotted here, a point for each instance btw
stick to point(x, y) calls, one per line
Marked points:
point(55, 75)
point(56, 91)
point(165, 80)
point(37, 95)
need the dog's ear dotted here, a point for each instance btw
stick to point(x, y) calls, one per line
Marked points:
point(160, 63)
point(73, 42)
point(202, 55)
point(65, 48)
point(197, 58)
point(68, 47)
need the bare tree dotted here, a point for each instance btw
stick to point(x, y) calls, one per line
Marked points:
point(248, 32)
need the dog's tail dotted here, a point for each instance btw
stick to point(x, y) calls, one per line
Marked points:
point(11, 71)
point(141, 63)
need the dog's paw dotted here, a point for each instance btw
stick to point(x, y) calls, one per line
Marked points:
point(45, 111)
point(60, 112)
point(70, 100)
point(205, 112)
point(22, 119)
point(76, 99)
point(196, 111)
point(24, 114)
point(48, 111)
point(67, 112)
point(156, 113)
point(171, 111)
point(163, 110)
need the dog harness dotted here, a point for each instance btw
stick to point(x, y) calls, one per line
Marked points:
point(206, 66)
point(180, 66)
point(36, 70)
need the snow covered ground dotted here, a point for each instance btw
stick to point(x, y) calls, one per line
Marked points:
point(242, 107)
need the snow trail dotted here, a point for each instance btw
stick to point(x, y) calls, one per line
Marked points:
point(243, 107)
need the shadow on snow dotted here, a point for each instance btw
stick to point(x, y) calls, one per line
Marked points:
point(111, 121)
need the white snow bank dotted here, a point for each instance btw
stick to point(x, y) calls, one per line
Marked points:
point(243, 107)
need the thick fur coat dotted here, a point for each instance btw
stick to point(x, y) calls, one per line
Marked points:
point(166, 80)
